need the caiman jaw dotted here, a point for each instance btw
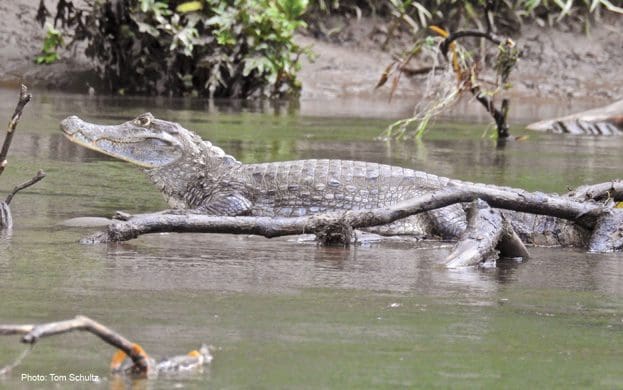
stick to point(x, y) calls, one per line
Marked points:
point(141, 146)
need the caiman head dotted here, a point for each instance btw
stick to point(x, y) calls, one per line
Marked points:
point(175, 159)
point(144, 141)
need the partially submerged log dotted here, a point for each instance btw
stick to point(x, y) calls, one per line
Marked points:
point(130, 359)
point(606, 120)
point(487, 234)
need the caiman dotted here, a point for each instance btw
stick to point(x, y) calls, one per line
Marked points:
point(195, 175)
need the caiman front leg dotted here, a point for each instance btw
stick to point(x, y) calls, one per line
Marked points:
point(227, 205)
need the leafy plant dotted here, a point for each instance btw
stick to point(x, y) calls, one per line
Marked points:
point(52, 41)
point(231, 48)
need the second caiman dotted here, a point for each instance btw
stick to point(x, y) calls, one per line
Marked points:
point(195, 175)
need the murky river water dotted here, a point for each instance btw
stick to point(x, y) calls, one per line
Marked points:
point(288, 314)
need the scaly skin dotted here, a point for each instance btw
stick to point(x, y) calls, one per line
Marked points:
point(193, 174)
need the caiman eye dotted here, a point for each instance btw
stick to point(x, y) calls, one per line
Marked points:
point(143, 120)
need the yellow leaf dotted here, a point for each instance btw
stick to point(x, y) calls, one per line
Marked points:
point(189, 6)
point(439, 30)
point(619, 205)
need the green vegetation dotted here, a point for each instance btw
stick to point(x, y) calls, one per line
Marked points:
point(232, 48)
point(455, 14)
point(52, 41)
point(245, 48)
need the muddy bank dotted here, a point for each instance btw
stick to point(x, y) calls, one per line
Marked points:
point(568, 66)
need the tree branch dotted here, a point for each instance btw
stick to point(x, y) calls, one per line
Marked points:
point(141, 364)
point(444, 46)
point(32, 333)
point(24, 98)
point(585, 214)
point(39, 176)
point(499, 116)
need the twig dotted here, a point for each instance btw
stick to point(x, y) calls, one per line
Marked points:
point(39, 176)
point(24, 98)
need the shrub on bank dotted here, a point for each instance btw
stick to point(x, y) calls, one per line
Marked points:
point(230, 48)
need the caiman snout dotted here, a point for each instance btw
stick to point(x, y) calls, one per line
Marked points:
point(138, 141)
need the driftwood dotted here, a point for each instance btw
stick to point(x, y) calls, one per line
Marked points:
point(6, 220)
point(497, 234)
point(139, 363)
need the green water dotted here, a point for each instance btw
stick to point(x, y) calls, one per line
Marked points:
point(284, 313)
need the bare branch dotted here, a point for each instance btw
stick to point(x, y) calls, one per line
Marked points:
point(32, 333)
point(444, 46)
point(39, 176)
point(24, 98)
point(139, 364)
